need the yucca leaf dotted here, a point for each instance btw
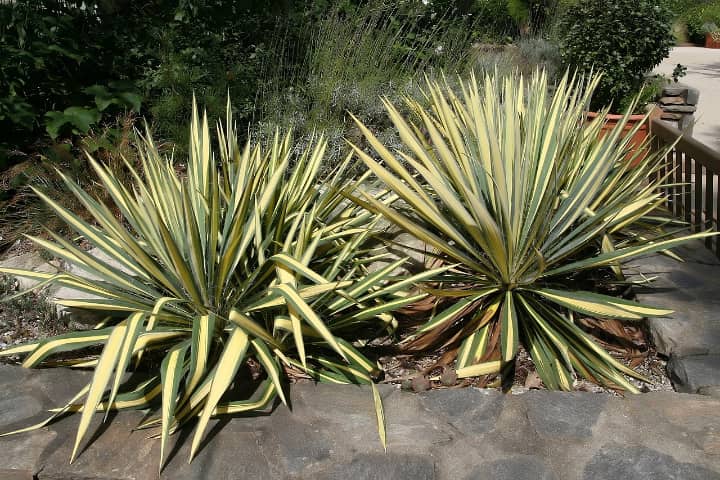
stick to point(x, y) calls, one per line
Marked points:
point(230, 360)
point(510, 335)
point(171, 372)
point(621, 254)
point(103, 372)
point(380, 415)
point(57, 413)
point(309, 316)
point(63, 343)
point(272, 368)
point(262, 397)
point(479, 369)
point(603, 306)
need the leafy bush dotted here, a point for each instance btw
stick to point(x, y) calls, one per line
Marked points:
point(53, 67)
point(522, 199)
point(701, 19)
point(228, 263)
point(532, 15)
point(353, 58)
point(624, 39)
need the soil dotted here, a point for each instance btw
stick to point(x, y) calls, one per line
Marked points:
point(635, 351)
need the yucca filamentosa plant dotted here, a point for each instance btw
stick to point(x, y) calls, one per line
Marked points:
point(244, 258)
point(507, 183)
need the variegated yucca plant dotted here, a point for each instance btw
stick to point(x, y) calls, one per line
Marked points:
point(243, 258)
point(506, 181)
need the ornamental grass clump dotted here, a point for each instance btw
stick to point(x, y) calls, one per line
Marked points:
point(507, 184)
point(242, 261)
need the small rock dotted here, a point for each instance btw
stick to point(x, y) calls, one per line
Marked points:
point(671, 116)
point(680, 108)
point(420, 384)
point(710, 391)
point(533, 381)
point(448, 377)
point(672, 101)
point(690, 374)
point(674, 91)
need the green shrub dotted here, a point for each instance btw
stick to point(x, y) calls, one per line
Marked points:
point(241, 258)
point(524, 200)
point(56, 71)
point(701, 19)
point(532, 15)
point(623, 39)
point(353, 58)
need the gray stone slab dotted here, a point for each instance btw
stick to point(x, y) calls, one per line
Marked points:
point(674, 91)
point(29, 261)
point(521, 467)
point(693, 96)
point(383, 467)
point(112, 450)
point(564, 415)
point(21, 454)
point(297, 445)
point(690, 374)
point(409, 427)
point(690, 288)
point(469, 410)
point(231, 449)
point(615, 461)
point(680, 108)
point(691, 329)
point(331, 433)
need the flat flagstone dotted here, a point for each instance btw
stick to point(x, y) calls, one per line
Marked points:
point(571, 416)
point(692, 290)
point(690, 374)
point(29, 261)
point(615, 461)
point(520, 467)
point(331, 433)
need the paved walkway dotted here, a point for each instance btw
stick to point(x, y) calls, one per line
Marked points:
point(703, 73)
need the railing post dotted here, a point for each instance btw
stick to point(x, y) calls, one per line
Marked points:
point(694, 170)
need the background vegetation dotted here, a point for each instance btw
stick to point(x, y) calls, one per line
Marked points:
point(78, 75)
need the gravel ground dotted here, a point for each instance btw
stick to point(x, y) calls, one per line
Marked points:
point(420, 373)
point(26, 318)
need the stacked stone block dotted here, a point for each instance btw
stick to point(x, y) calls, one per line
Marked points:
point(679, 103)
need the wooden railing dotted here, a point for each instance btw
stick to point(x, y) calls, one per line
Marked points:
point(694, 175)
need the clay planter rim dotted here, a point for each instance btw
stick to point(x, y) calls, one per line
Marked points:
point(612, 119)
point(710, 41)
point(615, 117)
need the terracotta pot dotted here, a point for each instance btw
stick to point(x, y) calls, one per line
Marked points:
point(611, 120)
point(711, 42)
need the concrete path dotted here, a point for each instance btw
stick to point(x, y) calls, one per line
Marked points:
point(703, 73)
